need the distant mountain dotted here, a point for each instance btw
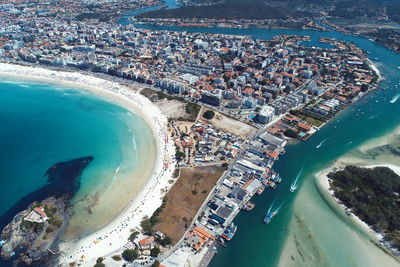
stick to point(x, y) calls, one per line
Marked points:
point(274, 9)
point(238, 9)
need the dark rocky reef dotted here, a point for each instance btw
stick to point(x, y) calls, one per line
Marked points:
point(35, 242)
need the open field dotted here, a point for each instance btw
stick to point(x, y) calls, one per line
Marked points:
point(172, 108)
point(185, 198)
point(229, 125)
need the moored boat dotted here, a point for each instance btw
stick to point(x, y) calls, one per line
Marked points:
point(229, 232)
point(260, 190)
point(248, 206)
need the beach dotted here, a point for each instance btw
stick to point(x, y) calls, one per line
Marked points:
point(375, 69)
point(313, 244)
point(111, 238)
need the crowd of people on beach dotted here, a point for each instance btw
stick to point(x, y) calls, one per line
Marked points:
point(114, 237)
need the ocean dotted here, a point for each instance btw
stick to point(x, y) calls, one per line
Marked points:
point(42, 124)
point(307, 231)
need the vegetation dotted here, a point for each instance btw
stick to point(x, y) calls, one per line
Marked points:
point(116, 257)
point(50, 211)
point(156, 95)
point(192, 110)
point(34, 226)
point(99, 262)
point(148, 224)
point(310, 118)
point(130, 254)
point(209, 114)
point(101, 17)
point(156, 264)
point(179, 155)
point(133, 236)
point(155, 251)
point(373, 195)
point(166, 241)
point(290, 133)
point(239, 9)
point(54, 221)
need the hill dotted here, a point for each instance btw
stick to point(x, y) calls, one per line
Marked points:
point(273, 9)
point(228, 10)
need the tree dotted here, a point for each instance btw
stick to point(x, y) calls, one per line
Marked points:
point(130, 254)
point(116, 257)
point(156, 264)
point(290, 133)
point(99, 262)
point(166, 241)
point(179, 155)
point(225, 165)
point(133, 236)
point(155, 251)
point(209, 114)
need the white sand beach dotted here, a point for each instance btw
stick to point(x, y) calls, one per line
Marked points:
point(111, 239)
point(374, 68)
point(319, 226)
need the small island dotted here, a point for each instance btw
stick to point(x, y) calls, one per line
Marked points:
point(372, 194)
point(32, 232)
point(32, 235)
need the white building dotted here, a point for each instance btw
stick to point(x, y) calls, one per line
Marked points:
point(266, 114)
point(37, 215)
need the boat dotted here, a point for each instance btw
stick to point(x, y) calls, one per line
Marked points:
point(277, 179)
point(229, 232)
point(260, 190)
point(292, 189)
point(248, 206)
point(268, 217)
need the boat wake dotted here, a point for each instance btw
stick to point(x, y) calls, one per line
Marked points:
point(395, 98)
point(293, 186)
point(278, 209)
point(320, 144)
point(271, 212)
point(349, 143)
point(372, 117)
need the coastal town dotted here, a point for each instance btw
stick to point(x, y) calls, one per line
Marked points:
point(280, 90)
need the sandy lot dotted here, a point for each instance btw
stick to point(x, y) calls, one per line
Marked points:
point(185, 198)
point(172, 108)
point(232, 126)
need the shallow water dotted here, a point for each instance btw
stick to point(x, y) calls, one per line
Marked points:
point(43, 124)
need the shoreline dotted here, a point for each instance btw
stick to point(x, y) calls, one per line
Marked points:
point(375, 69)
point(323, 185)
point(112, 237)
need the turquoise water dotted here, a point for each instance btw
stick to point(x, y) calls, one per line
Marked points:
point(337, 243)
point(125, 18)
point(42, 124)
